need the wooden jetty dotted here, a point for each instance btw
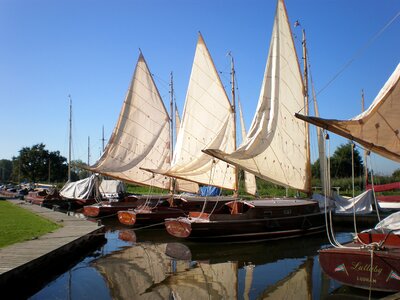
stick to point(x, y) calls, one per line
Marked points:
point(25, 267)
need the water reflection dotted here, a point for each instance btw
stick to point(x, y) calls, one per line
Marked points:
point(150, 264)
point(173, 270)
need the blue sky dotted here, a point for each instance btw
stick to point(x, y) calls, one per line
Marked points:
point(88, 49)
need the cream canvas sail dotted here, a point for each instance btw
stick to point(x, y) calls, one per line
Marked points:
point(276, 146)
point(249, 178)
point(141, 137)
point(378, 127)
point(207, 121)
point(180, 184)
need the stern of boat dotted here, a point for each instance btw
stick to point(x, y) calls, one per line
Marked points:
point(127, 217)
point(179, 227)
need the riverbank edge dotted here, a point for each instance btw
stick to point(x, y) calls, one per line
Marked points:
point(27, 266)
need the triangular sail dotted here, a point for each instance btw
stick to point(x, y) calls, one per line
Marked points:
point(207, 120)
point(183, 185)
point(377, 128)
point(249, 178)
point(177, 121)
point(141, 137)
point(276, 145)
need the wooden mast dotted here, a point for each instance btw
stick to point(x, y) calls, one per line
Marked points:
point(233, 105)
point(88, 152)
point(102, 139)
point(171, 118)
point(70, 138)
point(305, 79)
point(365, 151)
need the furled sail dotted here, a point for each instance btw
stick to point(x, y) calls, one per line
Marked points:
point(378, 127)
point(249, 178)
point(141, 137)
point(207, 121)
point(276, 145)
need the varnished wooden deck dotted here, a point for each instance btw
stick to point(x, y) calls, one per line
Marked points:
point(17, 260)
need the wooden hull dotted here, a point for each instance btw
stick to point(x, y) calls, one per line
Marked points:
point(155, 216)
point(107, 208)
point(44, 199)
point(158, 213)
point(378, 270)
point(255, 225)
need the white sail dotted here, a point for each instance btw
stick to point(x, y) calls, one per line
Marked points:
point(276, 145)
point(177, 121)
point(141, 137)
point(207, 121)
point(249, 178)
point(183, 185)
point(377, 128)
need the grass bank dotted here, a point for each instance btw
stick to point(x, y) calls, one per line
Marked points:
point(18, 224)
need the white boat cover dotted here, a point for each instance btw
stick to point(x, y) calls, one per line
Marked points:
point(81, 189)
point(111, 188)
point(276, 148)
point(377, 129)
point(392, 222)
point(362, 203)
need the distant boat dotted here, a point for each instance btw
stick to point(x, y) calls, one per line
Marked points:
point(46, 197)
point(275, 149)
point(372, 260)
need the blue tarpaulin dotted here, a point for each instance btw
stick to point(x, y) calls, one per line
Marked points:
point(209, 191)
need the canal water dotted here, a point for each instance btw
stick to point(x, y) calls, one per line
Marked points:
point(150, 264)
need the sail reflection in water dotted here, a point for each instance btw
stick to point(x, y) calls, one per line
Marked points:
point(179, 271)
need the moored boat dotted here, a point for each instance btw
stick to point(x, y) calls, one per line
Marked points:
point(371, 261)
point(275, 149)
point(44, 197)
point(179, 206)
point(106, 208)
point(251, 220)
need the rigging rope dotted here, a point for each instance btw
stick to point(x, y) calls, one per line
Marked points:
point(358, 53)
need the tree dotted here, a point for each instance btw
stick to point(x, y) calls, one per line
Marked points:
point(77, 172)
point(315, 169)
point(341, 162)
point(5, 170)
point(36, 164)
point(396, 174)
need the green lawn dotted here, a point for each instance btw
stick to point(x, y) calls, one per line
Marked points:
point(18, 224)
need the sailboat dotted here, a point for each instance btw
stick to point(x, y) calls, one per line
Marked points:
point(275, 149)
point(372, 260)
point(208, 119)
point(141, 139)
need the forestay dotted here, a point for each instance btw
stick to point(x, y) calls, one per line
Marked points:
point(276, 146)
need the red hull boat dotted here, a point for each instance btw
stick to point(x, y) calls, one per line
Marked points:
point(372, 262)
point(44, 198)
